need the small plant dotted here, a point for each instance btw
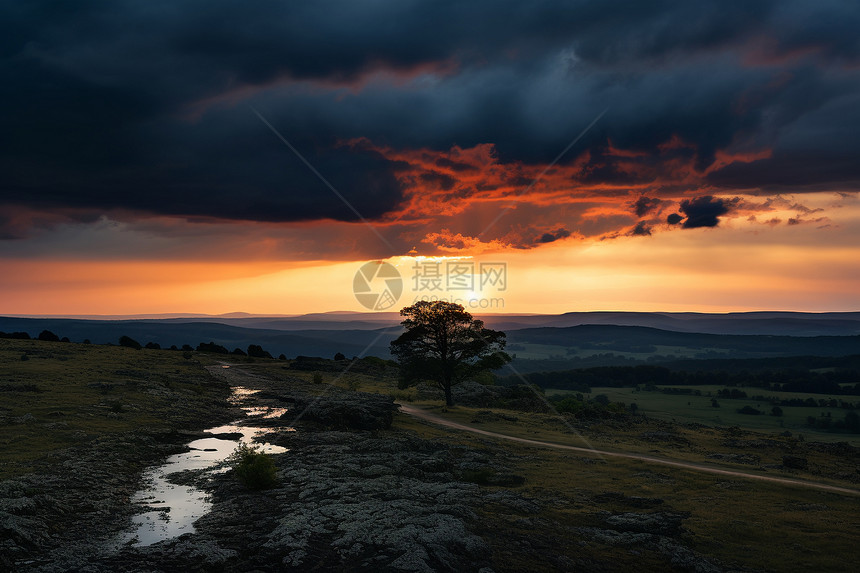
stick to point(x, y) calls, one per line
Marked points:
point(117, 407)
point(480, 476)
point(24, 357)
point(255, 469)
point(318, 378)
point(353, 385)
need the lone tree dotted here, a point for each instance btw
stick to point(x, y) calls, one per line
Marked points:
point(443, 344)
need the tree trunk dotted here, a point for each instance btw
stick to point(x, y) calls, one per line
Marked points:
point(449, 399)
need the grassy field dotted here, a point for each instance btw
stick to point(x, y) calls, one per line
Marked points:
point(534, 351)
point(760, 525)
point(698, 409)
point(64, 394)
point(55, 395)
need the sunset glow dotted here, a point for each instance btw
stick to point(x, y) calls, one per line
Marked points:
point(606, 171)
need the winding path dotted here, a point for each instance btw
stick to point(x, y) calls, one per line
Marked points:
point(438, 420)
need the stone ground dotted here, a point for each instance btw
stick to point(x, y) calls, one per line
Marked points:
point(350, 496)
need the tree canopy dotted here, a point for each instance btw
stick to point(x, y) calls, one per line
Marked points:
point(444, 344)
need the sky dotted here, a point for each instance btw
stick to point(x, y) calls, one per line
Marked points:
point(213, 157)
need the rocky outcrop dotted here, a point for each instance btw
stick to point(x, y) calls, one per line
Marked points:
point(61, 519)
point(345, 411)
point(470, 393)
point(344, 501)
point(352, 500)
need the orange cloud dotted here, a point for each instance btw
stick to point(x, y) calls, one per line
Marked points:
point(597, 193)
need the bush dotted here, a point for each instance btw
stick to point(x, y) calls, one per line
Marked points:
point(256, 351)
point(749, 410)
point(318, 378)
point(254, 469)
point(17, 335)
point(129, 342)
point(480, 476)
point(48, 336)
point(211, 347)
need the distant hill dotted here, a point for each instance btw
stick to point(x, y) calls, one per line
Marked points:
point(777, 323)
point(639, 339)
point(762, 323)
point(324, 343)
point(545, 347)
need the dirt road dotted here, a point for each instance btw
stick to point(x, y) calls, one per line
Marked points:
point(438, 420)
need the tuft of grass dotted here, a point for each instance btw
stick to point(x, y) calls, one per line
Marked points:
point(255, 469)
point(480, 476)
point(116, 406)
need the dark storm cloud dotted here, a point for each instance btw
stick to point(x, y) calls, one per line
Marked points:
point(704, 211)
point(645, 205)
point(674, 218)
point(145, 106)
point(641, 229)
point(552, 236)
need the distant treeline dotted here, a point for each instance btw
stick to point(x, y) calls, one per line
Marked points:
point(818, 379)
point(254, 350)
point(704, 361)
point(45, 335)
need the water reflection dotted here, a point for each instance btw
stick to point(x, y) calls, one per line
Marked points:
point(171, 507)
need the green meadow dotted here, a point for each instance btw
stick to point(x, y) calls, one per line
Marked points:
point(699, 409)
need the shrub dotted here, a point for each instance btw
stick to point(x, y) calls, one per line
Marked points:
point(318, 378)
point(254, 469)
point(17, 335)
point(129, 342)
point(211, 347)
point(257, 351)
point(48, 336)
point(480, 476)
point(749, 410)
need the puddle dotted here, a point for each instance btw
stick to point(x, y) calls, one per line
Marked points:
point(172, 508)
